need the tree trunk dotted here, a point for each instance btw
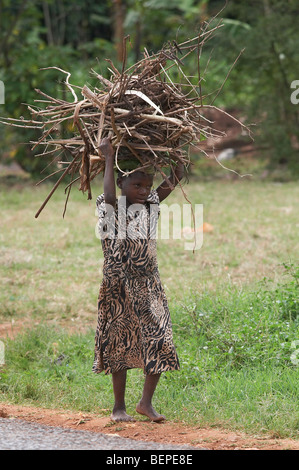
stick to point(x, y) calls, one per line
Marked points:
point(48, 24)
point(137, 40)
point(118, 26)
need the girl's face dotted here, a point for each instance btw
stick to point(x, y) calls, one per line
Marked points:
point(136, 187)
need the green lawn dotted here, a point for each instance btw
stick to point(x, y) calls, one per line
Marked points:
point(234, 305)
point(53, 265)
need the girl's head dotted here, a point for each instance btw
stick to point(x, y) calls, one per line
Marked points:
point(136, 186)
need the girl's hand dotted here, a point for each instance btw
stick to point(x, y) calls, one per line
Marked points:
point(106, 148)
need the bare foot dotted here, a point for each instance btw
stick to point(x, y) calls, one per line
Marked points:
point(149, 411)
point(121, 415)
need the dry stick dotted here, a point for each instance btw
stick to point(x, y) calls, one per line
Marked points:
point(50, 110)
point(160, 171)
point(77, 110)
point(115, 158)
point(44, 153)
point(124, 61)
point(229, 115)
point(156, 56)
point(74, 141)
point(115, 130)
point(219, 90)
point(126, 173)
point(87, 132)
point(68, 193)
point(72, 182)
point(101, 121)
point(85, 161)
point(85, 181)
point(23, 120)
point(150, 117)
point(192, 211)
point(187, 142)
point(192, 48)
point(49, 164)
point(49, 176)
point(100, 128)
point(133, 151)
point(59, 120)
point(157, 148)
point(230, 169)
point(102, 79)
point(54, 188)
point(92, 97)
point(175, 135)
point(206, 32)
point(198, 73)
point(50, 97)
point(66, 200)
point(20, 125)
point(59, 110)
point(193, 88)
point(44, 136)
point(117, 73)
point(67, 81)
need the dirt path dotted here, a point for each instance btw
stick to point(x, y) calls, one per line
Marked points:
point(144, 430)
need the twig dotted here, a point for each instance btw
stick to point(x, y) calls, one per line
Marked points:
point(54, 188)
point(66, 81)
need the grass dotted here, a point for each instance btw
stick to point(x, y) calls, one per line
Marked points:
point(234, 307)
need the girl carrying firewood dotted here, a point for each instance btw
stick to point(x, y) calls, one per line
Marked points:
point(134, 326)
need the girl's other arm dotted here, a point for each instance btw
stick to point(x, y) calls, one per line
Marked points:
point(107, 151)
point(164, 190)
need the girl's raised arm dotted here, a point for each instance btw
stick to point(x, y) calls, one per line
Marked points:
point(107, 151)
point(164, 190)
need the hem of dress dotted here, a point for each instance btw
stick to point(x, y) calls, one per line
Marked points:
point(97, 370)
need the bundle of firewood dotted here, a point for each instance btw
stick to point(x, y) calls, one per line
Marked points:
point(147, 116)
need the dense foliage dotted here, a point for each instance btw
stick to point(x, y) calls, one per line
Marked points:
point(78, 35)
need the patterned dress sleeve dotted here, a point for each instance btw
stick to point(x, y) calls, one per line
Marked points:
point(100, 205)
point(106, 222)
point(153, 197)
point(154, 212)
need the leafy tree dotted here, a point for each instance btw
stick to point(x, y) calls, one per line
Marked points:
point(261, 80)
point(74, 34)
point(36, 35)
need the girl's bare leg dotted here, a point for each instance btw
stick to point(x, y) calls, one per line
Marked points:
point(145, 407)
point(119, 388)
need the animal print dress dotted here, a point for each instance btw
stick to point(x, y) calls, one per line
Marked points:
point(134, 327)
